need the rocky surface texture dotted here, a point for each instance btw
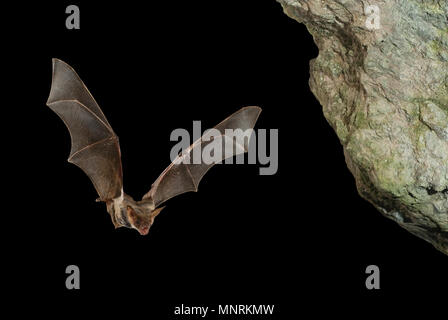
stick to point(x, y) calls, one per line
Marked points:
point(383, 85)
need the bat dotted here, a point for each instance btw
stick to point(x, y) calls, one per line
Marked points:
point(96, 150)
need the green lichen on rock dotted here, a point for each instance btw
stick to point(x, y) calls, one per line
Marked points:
point(385, 93)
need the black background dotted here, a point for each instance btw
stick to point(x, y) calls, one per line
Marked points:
point(292, 239)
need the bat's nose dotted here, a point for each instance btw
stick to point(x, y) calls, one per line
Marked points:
point(143, 231)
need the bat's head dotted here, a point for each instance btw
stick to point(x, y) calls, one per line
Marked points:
point(142, 219)
point(138, 215)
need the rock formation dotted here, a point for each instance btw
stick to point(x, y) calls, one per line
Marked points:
point(382, 79)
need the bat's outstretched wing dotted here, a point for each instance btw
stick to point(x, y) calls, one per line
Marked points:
point(95, 147)
point(184, 173)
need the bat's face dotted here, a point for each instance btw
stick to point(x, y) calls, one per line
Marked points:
point(138, 215)
point(139, 219)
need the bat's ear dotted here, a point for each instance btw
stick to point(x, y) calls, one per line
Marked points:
point(130, 212)
point(156, 212)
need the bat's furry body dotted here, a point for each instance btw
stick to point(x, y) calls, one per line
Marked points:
point(95, 149)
